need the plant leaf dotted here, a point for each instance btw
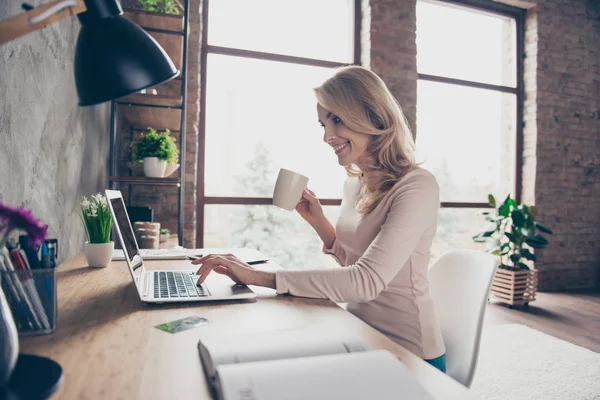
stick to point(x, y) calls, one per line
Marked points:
point(541, 239)
point(518, 218)
point(492, 200)
point(543, 228)
point(510, 237)
point(504, 210)
point(479, 239)
point(528, 255)
point(535, 243)
point(532, 210)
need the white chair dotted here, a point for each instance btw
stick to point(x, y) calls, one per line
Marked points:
point(460, 282)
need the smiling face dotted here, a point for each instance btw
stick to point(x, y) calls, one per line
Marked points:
point(348, 145)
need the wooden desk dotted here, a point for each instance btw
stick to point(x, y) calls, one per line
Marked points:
point(109, 349)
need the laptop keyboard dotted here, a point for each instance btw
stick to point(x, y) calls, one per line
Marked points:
point(176, 284)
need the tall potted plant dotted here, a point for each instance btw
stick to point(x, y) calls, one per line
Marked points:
point(513, 236)
point(155, 150)
point(98, 223)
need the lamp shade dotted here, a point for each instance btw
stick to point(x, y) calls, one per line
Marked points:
point(114, 58)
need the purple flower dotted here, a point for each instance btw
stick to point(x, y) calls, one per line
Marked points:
point(21, 218)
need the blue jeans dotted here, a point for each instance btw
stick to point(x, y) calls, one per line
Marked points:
point(439, 362)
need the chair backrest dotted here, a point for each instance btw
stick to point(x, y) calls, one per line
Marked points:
point(460, 282)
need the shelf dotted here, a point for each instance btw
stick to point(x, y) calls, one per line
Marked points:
point(150, 100)
point(161, 106)
point(154, 20)
point(142, 180)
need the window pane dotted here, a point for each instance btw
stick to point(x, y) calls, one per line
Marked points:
point(262, 116)
point(462, 43)
point(456, 227)
point(309, 28)
point(466, 138)
point(282, 235)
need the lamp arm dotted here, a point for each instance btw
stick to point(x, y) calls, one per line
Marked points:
point(52, 10)
point(38, 18)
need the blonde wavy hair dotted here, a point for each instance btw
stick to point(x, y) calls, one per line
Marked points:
point(365, 105)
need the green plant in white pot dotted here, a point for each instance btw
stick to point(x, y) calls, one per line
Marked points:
point(164, 235)
point(156, 150)
point(98, 224)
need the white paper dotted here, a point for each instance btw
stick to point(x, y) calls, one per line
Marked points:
point(355, 376)
point(274, 345)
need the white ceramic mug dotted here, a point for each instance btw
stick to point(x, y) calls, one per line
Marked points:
point(288, 189)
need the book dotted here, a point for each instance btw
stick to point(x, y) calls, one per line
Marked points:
point(303, 364)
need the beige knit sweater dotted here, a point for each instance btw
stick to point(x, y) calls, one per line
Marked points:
point(386, 258)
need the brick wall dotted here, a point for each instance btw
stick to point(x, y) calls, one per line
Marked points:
point(390, 49)
point(192, 121)
point(530, 108)
point(561, 154)
point(567, 184)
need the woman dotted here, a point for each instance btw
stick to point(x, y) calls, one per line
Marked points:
point(387, 222)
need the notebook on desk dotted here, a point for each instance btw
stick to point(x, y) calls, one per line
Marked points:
point(300, 364)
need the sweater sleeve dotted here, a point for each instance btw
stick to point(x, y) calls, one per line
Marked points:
point(337, 252)
point(414, 207)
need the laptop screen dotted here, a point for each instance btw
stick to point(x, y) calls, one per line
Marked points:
point(130, 247)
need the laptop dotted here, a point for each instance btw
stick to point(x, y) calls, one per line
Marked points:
point(166, 286)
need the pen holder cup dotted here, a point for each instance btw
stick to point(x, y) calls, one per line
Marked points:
point(31, 296)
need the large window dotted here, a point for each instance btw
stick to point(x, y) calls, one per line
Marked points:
point(260, 61)
point(469, 102)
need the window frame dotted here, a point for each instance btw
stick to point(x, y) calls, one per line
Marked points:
point(202, 200)
point(519, 15)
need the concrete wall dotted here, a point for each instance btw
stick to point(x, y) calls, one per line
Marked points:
point(52, 151)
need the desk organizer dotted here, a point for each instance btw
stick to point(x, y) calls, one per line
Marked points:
point(31, 296)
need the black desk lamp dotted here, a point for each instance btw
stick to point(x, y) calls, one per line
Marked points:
point(114, 57)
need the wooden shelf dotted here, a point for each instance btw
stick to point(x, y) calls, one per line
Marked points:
point(142, 180)
point(151, 100)
point(154, 20)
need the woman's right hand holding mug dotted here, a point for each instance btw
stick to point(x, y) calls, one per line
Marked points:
point(310, 209)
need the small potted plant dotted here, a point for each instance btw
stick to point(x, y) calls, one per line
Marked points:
point(155, 150)
point(98, 223)
point(164, 235)
point(513, 237)
point(172, 7)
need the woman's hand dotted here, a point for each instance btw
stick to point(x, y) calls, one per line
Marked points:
point(233, 267)
point(310, 209)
